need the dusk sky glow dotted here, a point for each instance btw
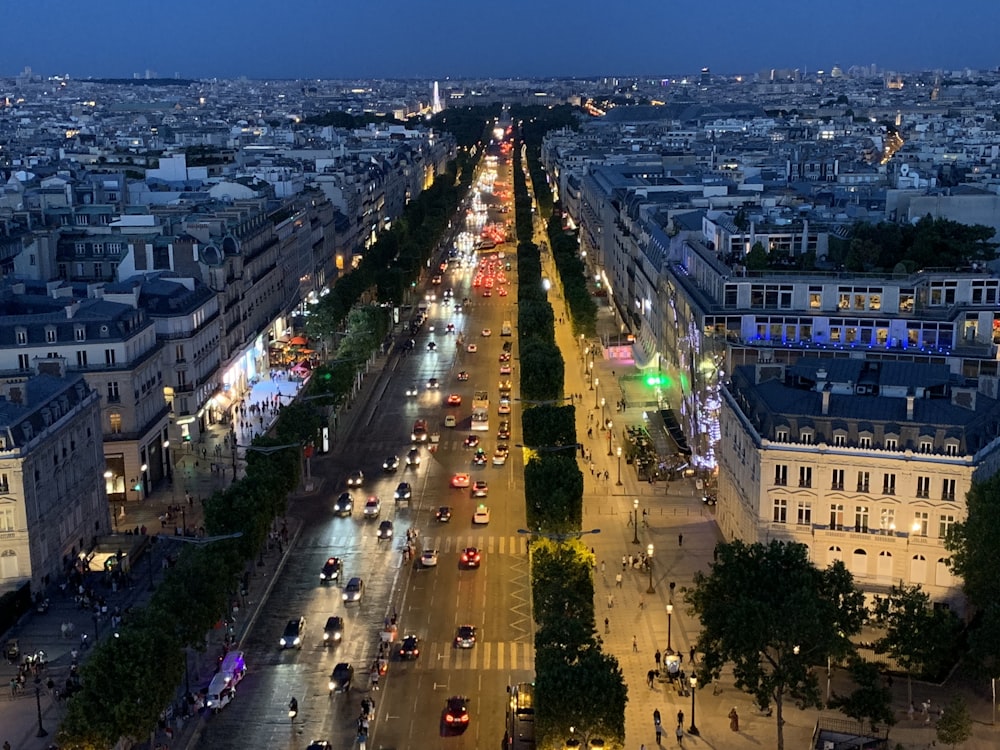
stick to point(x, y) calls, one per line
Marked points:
point(517, 38)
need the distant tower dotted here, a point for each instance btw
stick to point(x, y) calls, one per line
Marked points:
point(436, 105)
point(706, 77)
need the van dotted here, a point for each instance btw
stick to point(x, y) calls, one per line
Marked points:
point(505, 329)
point(233, 667)
point(220, 693)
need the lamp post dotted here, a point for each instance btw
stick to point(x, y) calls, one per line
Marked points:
point(609, 425)
point(166, 455)
point(600, 403)
point(38, 707)
point(649, 564)
point(143, 478)
point(590, 374)
point(594, 383)
point(635, 521)
point(670, 616)
point(618, 450)
point(693, 729)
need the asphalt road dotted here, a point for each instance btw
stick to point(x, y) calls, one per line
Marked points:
point(430, 602)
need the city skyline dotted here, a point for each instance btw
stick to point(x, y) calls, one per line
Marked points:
point(393, 39)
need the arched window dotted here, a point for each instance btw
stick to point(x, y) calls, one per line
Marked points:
point(942, 573)
point(918, 569)
point(884, 573)
point(859, 562)
point(8, 565)
point(834, 554)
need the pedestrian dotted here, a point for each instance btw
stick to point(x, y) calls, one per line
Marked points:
point(734, 720)
point(657, 657)
point(910, 711)
point(624, 561)
point(618, 580)
point(635, 645)
point(691, 654)
point(606, 475)
point(611, 600)
point(680, 657)
point(925, 708)
point(650, 676)
point(679, 734)
point(659, 732)
point(607, 625)
point(656, 716)
point(680, 718)
point(631, 561)
point(680, 540)
point(642, 602)
point(603, 566)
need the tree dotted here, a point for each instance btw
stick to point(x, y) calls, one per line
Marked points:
point(757, 259)
point(919, 638)
point(548, 425)
point(871, 700)
point(955, 725)
point(542, 371)
point(768, 611)
point(553, 493)
point(974, 545)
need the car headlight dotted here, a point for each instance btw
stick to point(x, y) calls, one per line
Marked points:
point(297, 641)
point(344, 596)
point(322, 576)
point(337, 636)
point(281, 642)
point(333, 685)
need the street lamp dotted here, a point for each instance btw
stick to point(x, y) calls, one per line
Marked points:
point(618, 450)
point(38, 707)
point(594, 384)
point(670, 616)
point(694, 686)
point(590, 373)
point(609, 425)
point(635, 521)
point(649, 564)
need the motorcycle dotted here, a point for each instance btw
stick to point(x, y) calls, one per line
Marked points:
point(293, 708)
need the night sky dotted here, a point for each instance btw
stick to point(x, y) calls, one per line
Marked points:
point(514, 38)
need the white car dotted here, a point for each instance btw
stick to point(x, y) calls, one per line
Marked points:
point(504, 406)
point(482, 514)
point(373, 507)
point(429, 558)
point(505, 369)
point(450, 421)
point(487, 332)
point(412, 391)
point(472, 348)
point(499, 457)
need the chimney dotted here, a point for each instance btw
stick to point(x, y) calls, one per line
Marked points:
point(72, 308)
point(826, 400)
point(910, 398)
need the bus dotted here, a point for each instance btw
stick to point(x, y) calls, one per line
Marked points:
point(481, 411)
point(520, 726)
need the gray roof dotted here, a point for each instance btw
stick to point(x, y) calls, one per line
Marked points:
point(45, 399)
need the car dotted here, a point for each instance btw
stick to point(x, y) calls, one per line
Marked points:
point(450, 421)
point(503, 431)
point(341, 678)
point(443, 514)
point(344, 504)
point(460, 480)
point(431, 346)
point(470, 557)
point(294, 632)
point(504, 357)
point(436, 279)
point(499, 457)
point(504, 406)
point(479, 458)
point(429, 558)
point(373, 507)
point(471, 442)
point(432, 383)
point(487, 333)
point(454, 400)
point(413, 457)
point(458, 308)
point(354, 590)
point(472, 348)
point(505, 369)
point(482, 515)
point(410, 647)
point(331, 570)
point(403, 491)
point(355, 478)
point(390, 464)
point(456, 713)
point(480, 488)
point(319, 745)
point(412, 391)
point(709, 498)
point(450, 328)
point(487, 292)
point(333, 631)
point(463, 375)
point(504, 385)
point(384, 531)
point(502, 291)
point(507, 346)
point(466, 636)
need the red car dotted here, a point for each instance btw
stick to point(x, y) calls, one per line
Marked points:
point(454, 400)
point(470, 557)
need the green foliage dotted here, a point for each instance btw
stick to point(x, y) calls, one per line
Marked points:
point(757, 259)
point(870, 700)
point(768, 611)
point(929, 243)
point(562, 587)
point(921, 639)
point(573, 275)
point(536, 319)
point(349, 121)
point(470, 125)
point(542, 371)
point(955, 725)
point(548, 425)
point(553, 493)
point(974, 545)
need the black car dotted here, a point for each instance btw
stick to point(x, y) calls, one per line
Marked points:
point(333, 631)
point(456, 713)
point(443, 514)
point(390, 464)
point(409, 648)
point(503, 432)
point(344, 504)
point(431, 346)
point(331, 570)
point(507, 346)
point(341, 678)
point(385, 530)
point(294, 631)
point(403, 491)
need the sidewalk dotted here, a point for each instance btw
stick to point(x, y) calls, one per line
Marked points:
point(683, 533)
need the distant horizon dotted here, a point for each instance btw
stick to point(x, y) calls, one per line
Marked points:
point(316, 40)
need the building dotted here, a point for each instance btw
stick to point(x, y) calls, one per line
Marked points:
point(862, 461)
point(52, 502)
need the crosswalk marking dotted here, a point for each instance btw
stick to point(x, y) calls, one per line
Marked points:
point(365, 538)
point(486, 655)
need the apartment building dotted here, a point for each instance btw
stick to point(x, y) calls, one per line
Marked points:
point(52, 501)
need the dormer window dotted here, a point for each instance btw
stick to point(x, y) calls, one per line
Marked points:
point(951, 448)
point(840, 439)
point(865, 442)
point(781, 435)
point(81, 333)
point(926, 446)
point(891, 444)
point(21, 335)
point(50, 334)
point(807, 437)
